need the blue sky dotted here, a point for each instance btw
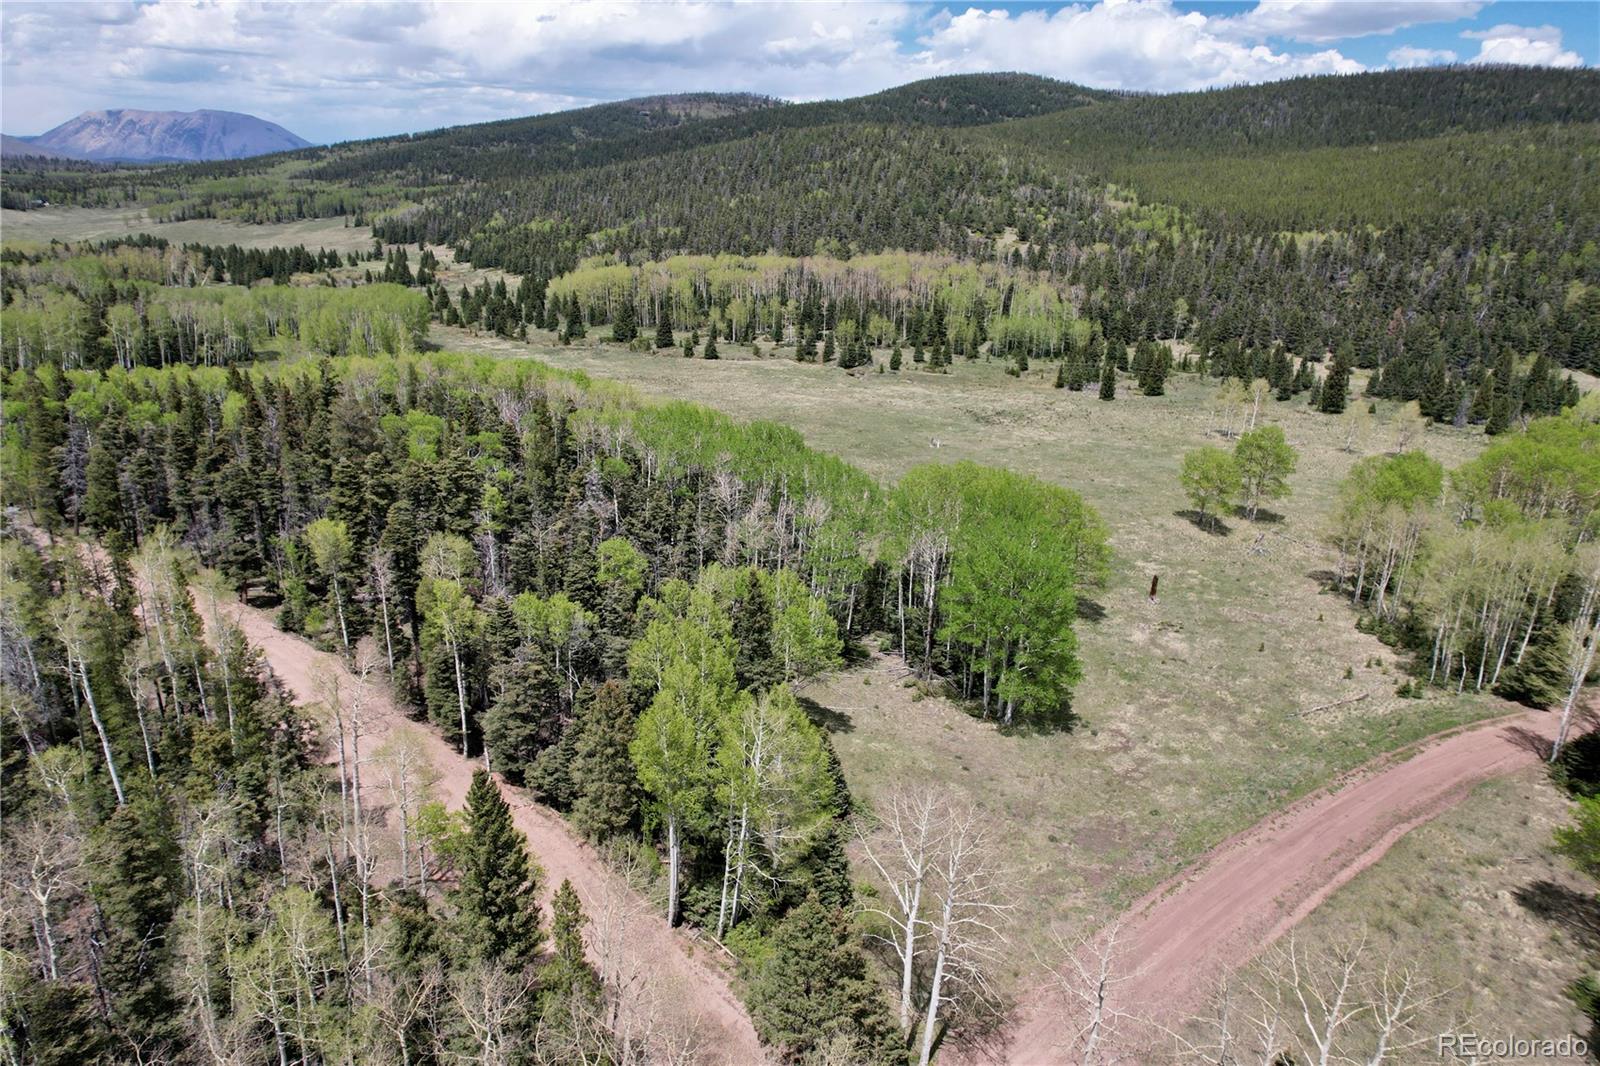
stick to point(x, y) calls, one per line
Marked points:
point(333, 71)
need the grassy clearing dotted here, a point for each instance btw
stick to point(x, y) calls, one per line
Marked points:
point(1477, 897)
point(1192, 706)
point(94, 224)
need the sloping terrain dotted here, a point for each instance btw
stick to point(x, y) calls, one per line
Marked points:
point(167, 136)
point(1254, 888)
point(663, 960)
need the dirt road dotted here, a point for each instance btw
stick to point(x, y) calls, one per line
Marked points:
point(1253, 888)
point(670, 961)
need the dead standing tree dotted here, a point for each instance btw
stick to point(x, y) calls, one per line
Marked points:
point(1090, 977)
point(968, 904)
point(1320, 1006)
point(903, 858)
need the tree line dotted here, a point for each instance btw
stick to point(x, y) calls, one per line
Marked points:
point(136, 322)
point(608, 601)
point(1488, 574)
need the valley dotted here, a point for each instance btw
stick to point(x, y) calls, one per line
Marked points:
point(1180, 507)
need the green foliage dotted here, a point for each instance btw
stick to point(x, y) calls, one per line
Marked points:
point(1211, 477)
point(497, 896)
point(1020, 551)
point(83, 312)
point(1264, 460)
point(814, 986)
point(607, 789)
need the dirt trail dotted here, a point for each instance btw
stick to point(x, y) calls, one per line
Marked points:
point(1255, 887)
point(670, 959)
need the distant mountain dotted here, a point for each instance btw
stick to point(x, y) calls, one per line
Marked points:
point(12, 147)
point(166, 136)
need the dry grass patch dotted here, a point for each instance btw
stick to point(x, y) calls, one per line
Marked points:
point(1479, 900)
point(103, 223)
point(1193, 709)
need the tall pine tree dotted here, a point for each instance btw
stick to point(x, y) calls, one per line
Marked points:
point(1108, 379)
point(497, 894)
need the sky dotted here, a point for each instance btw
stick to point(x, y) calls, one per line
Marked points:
point(336, 71)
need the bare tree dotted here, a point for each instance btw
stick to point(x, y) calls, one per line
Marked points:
point(383, 578)
point(1583, 634)
point(1321, 1006)
point(903, 856)
point(43, 865)
point(968, 903)
point(1089, 977)
point(1409, 426)
point(408, 777)
point(646, 1014)
point(71, 615)
point(489, 1001)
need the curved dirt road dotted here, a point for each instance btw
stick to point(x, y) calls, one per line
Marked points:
point(663, 964)
point(1253, 888)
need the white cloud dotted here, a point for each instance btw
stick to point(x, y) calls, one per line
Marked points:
point(1332, 20)
point(336, 70)
point(1408, 56)
point(1535, 46)
point(1119, 44)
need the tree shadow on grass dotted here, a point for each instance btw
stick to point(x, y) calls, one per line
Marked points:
point(1575, 913)
point(1211, 523)
point(1263, 517)
point(1090, 610)
point(825, 717)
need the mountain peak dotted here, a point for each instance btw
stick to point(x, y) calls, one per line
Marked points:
point(138, 135)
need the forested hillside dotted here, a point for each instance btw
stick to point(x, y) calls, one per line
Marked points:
point(616, 603)
point(605, 600)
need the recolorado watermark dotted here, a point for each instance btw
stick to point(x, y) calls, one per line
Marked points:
point(1474, 1047)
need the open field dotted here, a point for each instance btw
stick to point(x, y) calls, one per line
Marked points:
point(94, 224)
point(1187, 734)
point(1192, 708)
point(1478, 899)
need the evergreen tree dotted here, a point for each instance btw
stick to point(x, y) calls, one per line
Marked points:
point(1108, 380)
point(625, 326)
point(568, 971)
point(814, 988)
point(828, 349)
point(711, 345)
point(524, 718)
point(135, 887)
point(894, 358)
point(56, 1023)
point(607, 792)
point(497, 893)
point(1336, 386)
point(1153, 361)
point(664, 327)
point(1540, 678)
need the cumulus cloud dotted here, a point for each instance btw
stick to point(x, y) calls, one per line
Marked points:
point(1132, 44)
point(1333, 20)
point(1537, 46)
point(1407, 56)
point(336, 70)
